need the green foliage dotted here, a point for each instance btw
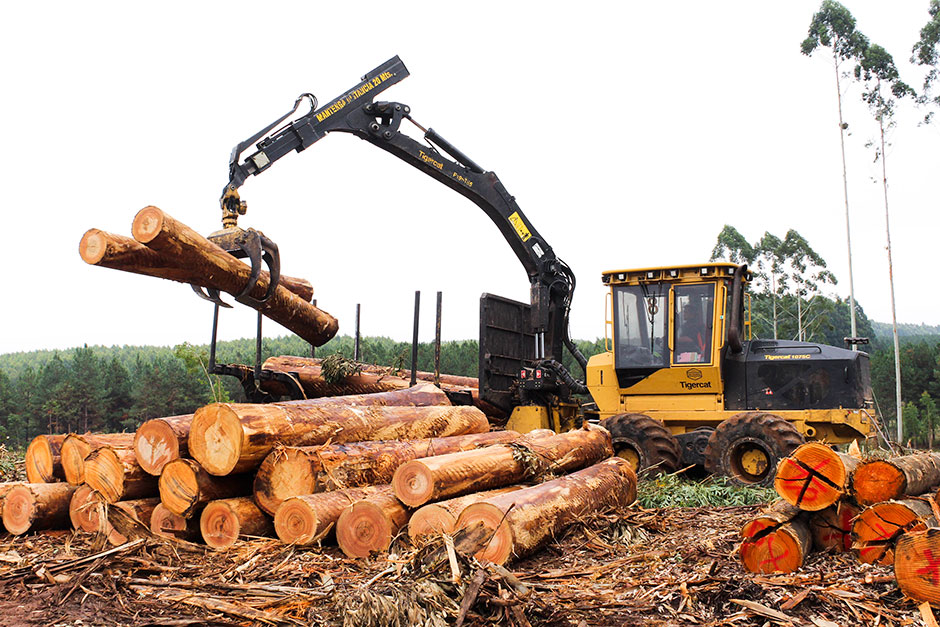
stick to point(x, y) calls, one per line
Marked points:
point(675, 491)
point(12, 464)
point(833, 26)
point(926, 52)
point(196, 362)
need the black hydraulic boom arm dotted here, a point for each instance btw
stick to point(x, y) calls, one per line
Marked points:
point(551, 280)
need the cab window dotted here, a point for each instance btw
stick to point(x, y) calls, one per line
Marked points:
point(640, 312)
point(694, 305)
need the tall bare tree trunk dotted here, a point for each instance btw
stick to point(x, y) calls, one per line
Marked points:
point(894, 316)
point(845, 193)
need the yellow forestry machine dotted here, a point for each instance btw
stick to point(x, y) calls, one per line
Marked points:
point(678, 385)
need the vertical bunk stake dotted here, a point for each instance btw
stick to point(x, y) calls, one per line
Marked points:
point(437, 344)
point(414, 341)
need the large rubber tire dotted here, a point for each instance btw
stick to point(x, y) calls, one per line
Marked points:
point(744, 438)
point(646, 442)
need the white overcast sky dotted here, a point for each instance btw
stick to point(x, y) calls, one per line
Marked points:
point(629, 132)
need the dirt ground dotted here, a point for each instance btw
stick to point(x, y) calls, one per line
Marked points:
point(642, 567)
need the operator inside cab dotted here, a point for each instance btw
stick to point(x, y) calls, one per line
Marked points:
point(693, 324)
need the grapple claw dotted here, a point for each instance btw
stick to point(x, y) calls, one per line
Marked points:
point(210, 294)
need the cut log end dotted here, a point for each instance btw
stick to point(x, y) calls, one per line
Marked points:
point(42, 456)
point(917, 565)
point(18, 508)
point(499, 548)
point(284, 473)
point(74, 450)
point(877, 529)
point(779, 551)
point(93, 246)
point(877, 481)
point(431, 520)
point(219, 525)
point(179, 487)
point(104, 473)
point(296, 522)
point(86, 509)
point(148, 223)
point(363, 529)
point(155, 445)
point(413, 483)
point(832, 527)
point(215, 439)
point(165, 523)
point(811, 478)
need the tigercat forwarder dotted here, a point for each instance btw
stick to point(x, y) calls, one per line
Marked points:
point(678, 383)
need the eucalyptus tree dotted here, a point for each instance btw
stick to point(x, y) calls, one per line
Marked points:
point(883, 87)
point(926, 52)
point(833, 27)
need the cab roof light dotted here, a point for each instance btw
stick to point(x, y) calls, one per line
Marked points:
point(650, 275)
point(704, 271)
point(621, 276)
point(673, 273)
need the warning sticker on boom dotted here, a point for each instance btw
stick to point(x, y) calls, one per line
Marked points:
point(521, 229)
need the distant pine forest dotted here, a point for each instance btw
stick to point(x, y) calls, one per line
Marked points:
point(113, 389)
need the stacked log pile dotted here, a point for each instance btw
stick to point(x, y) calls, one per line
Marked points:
point(350, 469)
point(884, 510)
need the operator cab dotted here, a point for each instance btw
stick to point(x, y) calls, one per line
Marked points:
point(667, 318)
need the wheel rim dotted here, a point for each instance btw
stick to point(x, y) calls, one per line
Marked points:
point(631, 455)
point(750, 460)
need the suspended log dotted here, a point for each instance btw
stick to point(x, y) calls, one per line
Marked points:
point(877, 529)
point(160, 441)
point(75, 448)
point(108, 250)
point(814, 476)
point(222, 522)
point(917, 564)
point(522, 521)
point(115, 473)
point(436, 518)
point(229, 438)
point(172, 238)
point(185, 486)
point(309, 518)
point(832, 527)
point(368, 526)
point(44, 460)
point(421, 481)
point(295, 470)
point(778, 549)
point(37, 506)
point(165, 523)
point(887, 479)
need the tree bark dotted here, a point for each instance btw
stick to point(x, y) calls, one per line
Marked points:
point(372, 379)
point(774, 515)
point(832, 527)
point(115, 473)
point(296, 470)
point(185, 486)
point(108, 250)
point(814, 476)
point(75, 448)
point(877, 529)
point(887, 479)
point(522, 521)
point(368, 526)
point(140, 510)
point(229, 438)
point(223, 521)
point(44, 460)
point(307, 519)
point(439, 518)
point(37, 506)
point(160, 232)
point(165, 523)
point(160, 441)
point(434, 478)
point(917, 564)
